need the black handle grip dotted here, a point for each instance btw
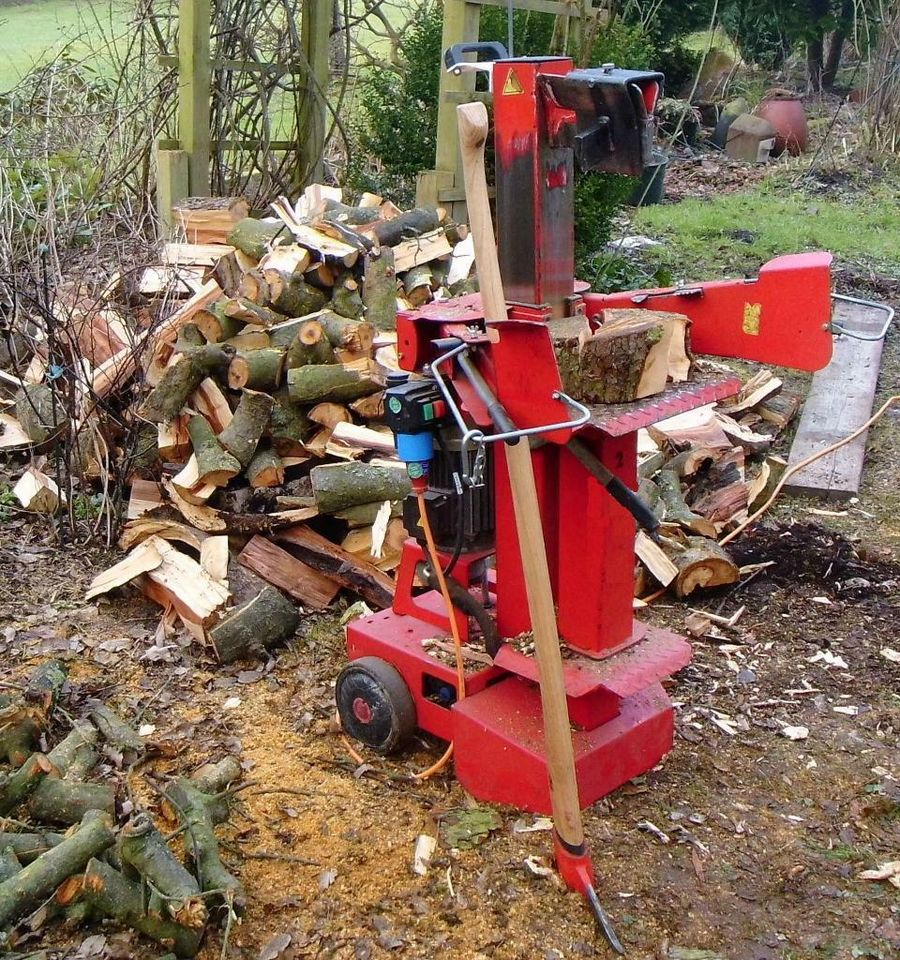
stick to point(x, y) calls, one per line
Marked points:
point(493, 50)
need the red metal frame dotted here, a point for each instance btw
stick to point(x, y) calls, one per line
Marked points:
point(614, 664)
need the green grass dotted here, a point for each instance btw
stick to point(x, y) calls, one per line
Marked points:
point(734, 234)
point(33, 32)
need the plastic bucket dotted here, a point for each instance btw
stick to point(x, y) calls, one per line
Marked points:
point(651, 186)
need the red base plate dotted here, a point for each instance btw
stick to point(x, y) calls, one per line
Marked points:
point(499, 745)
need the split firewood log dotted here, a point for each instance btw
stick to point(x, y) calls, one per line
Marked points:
point(266, 469)
point(251, 418)
point(291, 295)
point(289, 425)
point(24, 892)
point(182, 378)
point(249, 312)
point(346, 299)
point(257, 369)
point(347, 334)
point(341, 382)
point(215, 465)
point(412, 223)
point(263, 623)
point(417, 285)
point(677, 510)
point(309, 346)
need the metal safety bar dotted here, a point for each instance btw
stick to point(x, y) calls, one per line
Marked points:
point(845, 332)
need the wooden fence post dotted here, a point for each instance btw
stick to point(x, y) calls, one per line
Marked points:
point(194, 86)
point(315, 33)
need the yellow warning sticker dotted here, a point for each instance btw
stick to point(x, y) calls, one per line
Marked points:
point(752, 314)
point(512, 84)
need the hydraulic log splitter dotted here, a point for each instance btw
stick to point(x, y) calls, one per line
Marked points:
point(475, 386)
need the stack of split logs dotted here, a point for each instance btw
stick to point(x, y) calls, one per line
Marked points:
point(704, 472)
point(69, 854)
point(264, 390)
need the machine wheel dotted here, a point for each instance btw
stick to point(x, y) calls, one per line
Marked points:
point(374, 704)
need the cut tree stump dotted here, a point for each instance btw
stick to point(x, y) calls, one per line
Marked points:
point(263, 623)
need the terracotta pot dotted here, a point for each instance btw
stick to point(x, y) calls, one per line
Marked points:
point(788, 118)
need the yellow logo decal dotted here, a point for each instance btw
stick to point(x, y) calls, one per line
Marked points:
point(752, 312)
point(512, 84)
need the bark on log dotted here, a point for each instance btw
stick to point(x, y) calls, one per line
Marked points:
point(346, 299)
point(144, 848)
point(67, 801)
point(253, 287)
point(75, 756)
point(10, 864)
point(193, 808)
point(213, 778)
point(256, 238)
point(337, 212)
point(417, 285)
point(413, 223)
point(702, 564)
point(380, 289)
point(215, 324)
point(342, 485)
point(23, 719)
point(241, 437)
point(677, 511)
point(345, 333)
point(289, 426)
point(292, 295)
point(180, 380)
point(344, 382)
point(38, 412)
point(114, 729)
point(256, 370)
point(22, 782)
point(214, 464)
point(310, 345)
point(30, 846)
point(249, 312)
point(29, 888)
point(267, 620)
point(189, 338)
point(265, 469)
point(112, 895)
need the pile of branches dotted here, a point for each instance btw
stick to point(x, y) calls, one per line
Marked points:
point(68, 851)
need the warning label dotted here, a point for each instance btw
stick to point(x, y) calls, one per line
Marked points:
point(512, 84)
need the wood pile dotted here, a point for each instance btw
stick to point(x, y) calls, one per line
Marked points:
point(68, 855)
point(703, 472)
point(264, 390)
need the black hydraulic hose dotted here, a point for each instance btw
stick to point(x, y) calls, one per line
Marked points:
point(465, 602)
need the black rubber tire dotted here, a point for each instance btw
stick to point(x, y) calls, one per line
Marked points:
point(372, 686)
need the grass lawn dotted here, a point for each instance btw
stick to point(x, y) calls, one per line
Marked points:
point(733, 234)
point(32, 32)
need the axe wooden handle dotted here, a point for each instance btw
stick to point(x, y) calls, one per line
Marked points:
point(473, 130)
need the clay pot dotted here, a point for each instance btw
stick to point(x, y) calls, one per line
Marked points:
point(787, 116)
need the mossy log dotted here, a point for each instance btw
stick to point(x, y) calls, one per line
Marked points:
point(380, 289)
point(194, 810)
point(114, 729)
point(412, 223)
point(10, 864)
point(310, 345)
point(337, 212)
point(29, 846)
point(241, 437)
point(67, 801)
point(38, 411)
point(256, 370)
point(339, 382)
point(417, 284)
point(76, 755)
point(289, 426)
point(190, 336)
point(290, 294)
point(339, 486)
point(267, 620)
point(249, 312)
point(33, 884)
point(265, 469)
point(215, 465)
point(144, 848)
point(181, 379)
point(23, 719)
point(17, 786)
point(345, 333)
point(112, 895)
point(257, 237)
point(346, 298)
point(365, 514)
point(213, 778)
